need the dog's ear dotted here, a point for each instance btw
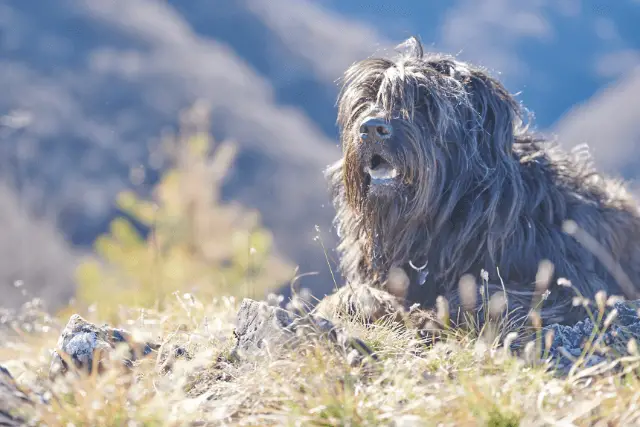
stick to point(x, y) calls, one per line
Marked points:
point(495, 113)
point(412, 47)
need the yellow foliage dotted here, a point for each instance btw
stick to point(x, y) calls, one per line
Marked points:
point(195, 244)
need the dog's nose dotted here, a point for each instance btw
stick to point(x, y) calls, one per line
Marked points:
point(373, 128)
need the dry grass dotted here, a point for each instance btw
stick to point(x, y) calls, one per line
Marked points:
point(461, 381)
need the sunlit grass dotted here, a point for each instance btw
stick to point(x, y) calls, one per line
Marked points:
point(461, 380)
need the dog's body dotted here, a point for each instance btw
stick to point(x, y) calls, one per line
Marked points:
point(440, 178)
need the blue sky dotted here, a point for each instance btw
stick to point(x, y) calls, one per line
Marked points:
point(562, 65)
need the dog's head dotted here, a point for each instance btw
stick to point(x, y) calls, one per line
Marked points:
point(419, 130)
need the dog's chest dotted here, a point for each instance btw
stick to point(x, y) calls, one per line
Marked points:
point(423, 285)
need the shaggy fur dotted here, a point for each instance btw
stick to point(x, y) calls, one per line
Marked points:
point(476, 190)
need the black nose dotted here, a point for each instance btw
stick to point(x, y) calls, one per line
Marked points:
point(374, 128)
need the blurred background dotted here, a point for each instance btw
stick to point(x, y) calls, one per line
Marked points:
point(94, 93)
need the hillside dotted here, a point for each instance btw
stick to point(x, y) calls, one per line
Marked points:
point(97, 90)
point(89, 88)
point(193, 375)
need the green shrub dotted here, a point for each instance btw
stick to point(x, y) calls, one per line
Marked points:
point(195, 244)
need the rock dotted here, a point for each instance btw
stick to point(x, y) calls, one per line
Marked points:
point(81, 341)
point(571, 340)
point(261, 327)
point(12, 400)
point(258, 322)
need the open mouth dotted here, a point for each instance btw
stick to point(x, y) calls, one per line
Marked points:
point(380, 170)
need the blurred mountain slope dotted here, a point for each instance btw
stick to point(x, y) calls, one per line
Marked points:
point(98, 82)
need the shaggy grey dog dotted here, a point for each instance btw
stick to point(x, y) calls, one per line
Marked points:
point(441, 177)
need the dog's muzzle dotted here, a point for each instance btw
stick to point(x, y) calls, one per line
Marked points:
point(374, 132)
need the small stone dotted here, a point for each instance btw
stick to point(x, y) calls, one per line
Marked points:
point(264, 328)
point(81, 341)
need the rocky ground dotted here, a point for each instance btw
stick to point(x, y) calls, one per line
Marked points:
point(256, 363)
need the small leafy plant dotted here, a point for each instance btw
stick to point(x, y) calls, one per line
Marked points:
point(195, 243)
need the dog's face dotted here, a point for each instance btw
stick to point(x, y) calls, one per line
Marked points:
point(416, 129)
point(381, 154)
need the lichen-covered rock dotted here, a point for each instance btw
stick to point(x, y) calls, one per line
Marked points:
point(261, 327)
point(569, 341)
point(12, 400)
point(87, 344)
point(258, 323)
